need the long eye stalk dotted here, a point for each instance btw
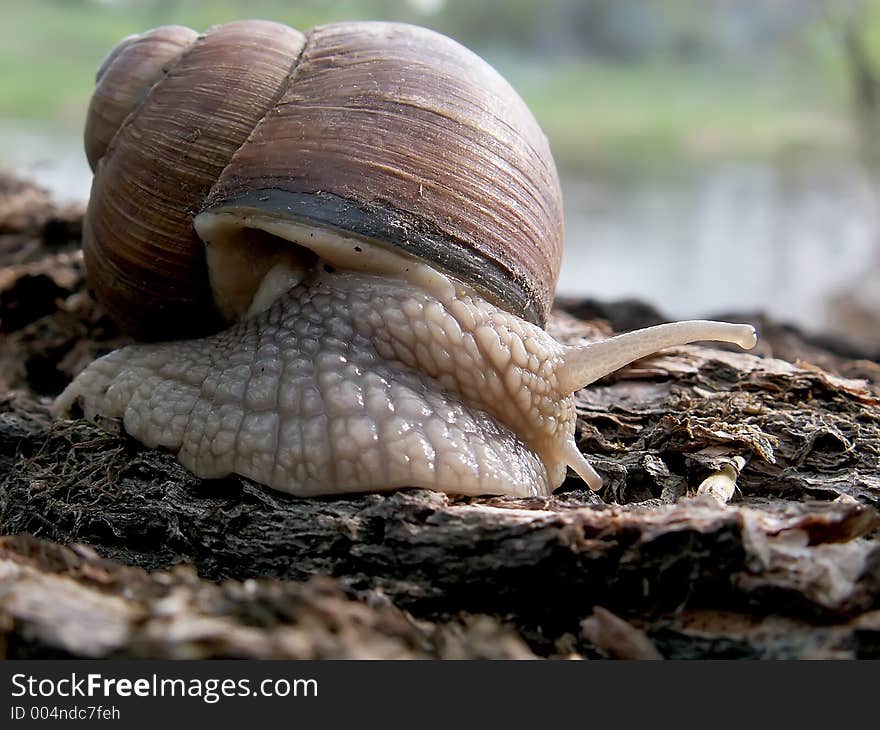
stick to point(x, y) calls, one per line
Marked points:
point(585, 364)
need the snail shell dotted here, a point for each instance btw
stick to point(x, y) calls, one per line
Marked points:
point(387, 131)
point(377, 214)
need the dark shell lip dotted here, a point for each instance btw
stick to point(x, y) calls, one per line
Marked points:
point(387, 225)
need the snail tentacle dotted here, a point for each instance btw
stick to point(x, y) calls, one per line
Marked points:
point(584, 364)
point(576, 460)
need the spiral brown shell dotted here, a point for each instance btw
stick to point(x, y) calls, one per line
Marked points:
point(387, 131)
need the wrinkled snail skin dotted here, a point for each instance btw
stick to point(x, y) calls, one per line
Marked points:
point(378, 341)
point(352, 382)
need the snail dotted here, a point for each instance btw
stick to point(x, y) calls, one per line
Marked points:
point(339, 249)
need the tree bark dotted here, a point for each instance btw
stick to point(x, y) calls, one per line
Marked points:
point(655, 566)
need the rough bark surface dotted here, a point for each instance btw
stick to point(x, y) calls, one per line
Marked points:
point(115, 550)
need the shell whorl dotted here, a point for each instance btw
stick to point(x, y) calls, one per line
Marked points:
point(144, 260)
point(125, 77)
point(387, 132)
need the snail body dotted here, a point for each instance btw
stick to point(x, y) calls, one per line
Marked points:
point(377, 224)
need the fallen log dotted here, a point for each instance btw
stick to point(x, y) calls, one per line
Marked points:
point(783, 561)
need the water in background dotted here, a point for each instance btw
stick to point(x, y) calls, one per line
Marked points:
point(51, 156)
point(733, 237)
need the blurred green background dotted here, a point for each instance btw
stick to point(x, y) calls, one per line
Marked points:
point(715, 154)
point(613, 83)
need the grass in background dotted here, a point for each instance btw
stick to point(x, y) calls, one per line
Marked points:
point(50, 49)
point(598, 115)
